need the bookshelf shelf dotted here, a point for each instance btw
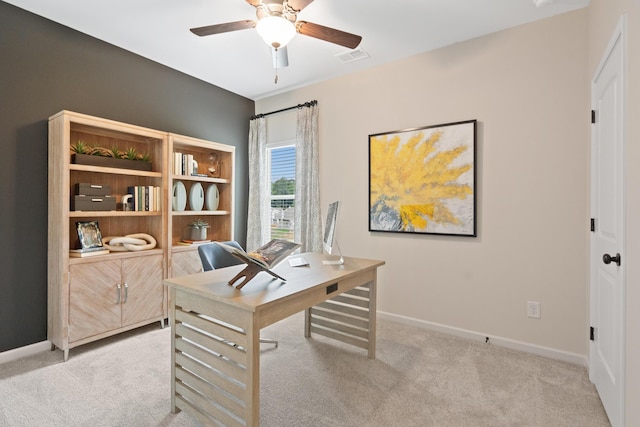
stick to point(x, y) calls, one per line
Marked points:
point(206, 154)
point(82, 290)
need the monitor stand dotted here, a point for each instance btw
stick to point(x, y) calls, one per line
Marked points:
point(338, 261)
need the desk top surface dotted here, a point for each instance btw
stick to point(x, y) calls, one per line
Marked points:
point(263, 288)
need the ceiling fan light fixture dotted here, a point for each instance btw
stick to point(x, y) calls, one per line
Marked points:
point(276, 31)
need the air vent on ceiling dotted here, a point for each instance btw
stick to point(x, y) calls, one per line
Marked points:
point(353, 55)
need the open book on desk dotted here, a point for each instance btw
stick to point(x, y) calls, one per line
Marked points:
point(264, 258)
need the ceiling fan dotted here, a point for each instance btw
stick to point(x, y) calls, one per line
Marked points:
point(277, 24)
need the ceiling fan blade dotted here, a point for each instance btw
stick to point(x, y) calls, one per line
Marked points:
point(298, 5)
point(223, 28)
point(254, 3)
point(328, 34)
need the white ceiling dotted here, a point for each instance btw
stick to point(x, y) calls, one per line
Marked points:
point(241, 62)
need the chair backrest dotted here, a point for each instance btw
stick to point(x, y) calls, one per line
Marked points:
point(213, 256)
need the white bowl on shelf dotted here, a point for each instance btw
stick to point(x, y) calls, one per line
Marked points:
point(196, 197)
point(212, 197)
point(179, 199)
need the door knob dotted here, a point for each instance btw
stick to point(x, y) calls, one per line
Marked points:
point(608, 259)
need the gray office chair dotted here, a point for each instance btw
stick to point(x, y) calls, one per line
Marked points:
point(213, 257)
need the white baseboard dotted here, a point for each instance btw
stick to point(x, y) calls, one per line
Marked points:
point(20, 352)
point(574, 358)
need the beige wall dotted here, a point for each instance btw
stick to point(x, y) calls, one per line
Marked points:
point(603, 17)
point(528, 89)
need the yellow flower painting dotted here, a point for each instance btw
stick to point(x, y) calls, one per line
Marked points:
point(423, 180)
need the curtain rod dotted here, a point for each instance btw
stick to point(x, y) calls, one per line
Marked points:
point(306, 104)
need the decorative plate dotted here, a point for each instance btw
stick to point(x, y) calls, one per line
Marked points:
point(179, 196)
point(196, 197)
point(212, 198)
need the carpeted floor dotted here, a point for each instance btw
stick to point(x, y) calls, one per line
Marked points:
point(419, 378)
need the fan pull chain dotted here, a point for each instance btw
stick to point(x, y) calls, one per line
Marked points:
point(275, 81)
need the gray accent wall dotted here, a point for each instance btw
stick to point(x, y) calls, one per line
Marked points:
point(46, 67)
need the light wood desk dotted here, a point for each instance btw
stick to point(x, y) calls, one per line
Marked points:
point(215, 345)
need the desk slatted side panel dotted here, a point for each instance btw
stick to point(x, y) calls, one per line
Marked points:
point(345, 317)
point(211, 364)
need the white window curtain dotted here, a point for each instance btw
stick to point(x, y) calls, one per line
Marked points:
point(257, 215)
point(307, 221)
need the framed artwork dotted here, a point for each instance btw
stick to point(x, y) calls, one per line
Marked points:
point(423, 180)
point(89, 235)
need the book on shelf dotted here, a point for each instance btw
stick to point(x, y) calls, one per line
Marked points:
point(182, 163)
point(146, 198)
point(80, 253)
point(186, 242)
point(185, 164)
point(90, 249)
point(189, 166)
point(267, 256)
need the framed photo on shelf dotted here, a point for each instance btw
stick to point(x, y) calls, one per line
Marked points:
point(89, 235)
point(423, 180)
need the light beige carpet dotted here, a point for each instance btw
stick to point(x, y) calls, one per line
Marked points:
point(419, 378)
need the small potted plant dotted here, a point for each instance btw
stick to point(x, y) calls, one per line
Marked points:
point(84, 154)
point(197, 230)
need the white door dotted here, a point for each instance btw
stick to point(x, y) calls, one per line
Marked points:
point(606, 367)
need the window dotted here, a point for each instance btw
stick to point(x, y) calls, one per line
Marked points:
point(263, 157)
point(281, 168)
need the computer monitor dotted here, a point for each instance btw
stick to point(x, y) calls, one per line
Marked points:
point(329, 240)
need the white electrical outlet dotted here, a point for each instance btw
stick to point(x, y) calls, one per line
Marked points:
point(533, 309)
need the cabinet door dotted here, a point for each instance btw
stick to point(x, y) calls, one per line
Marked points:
point(185, 262)
point(94, 301)
point(145, 291)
